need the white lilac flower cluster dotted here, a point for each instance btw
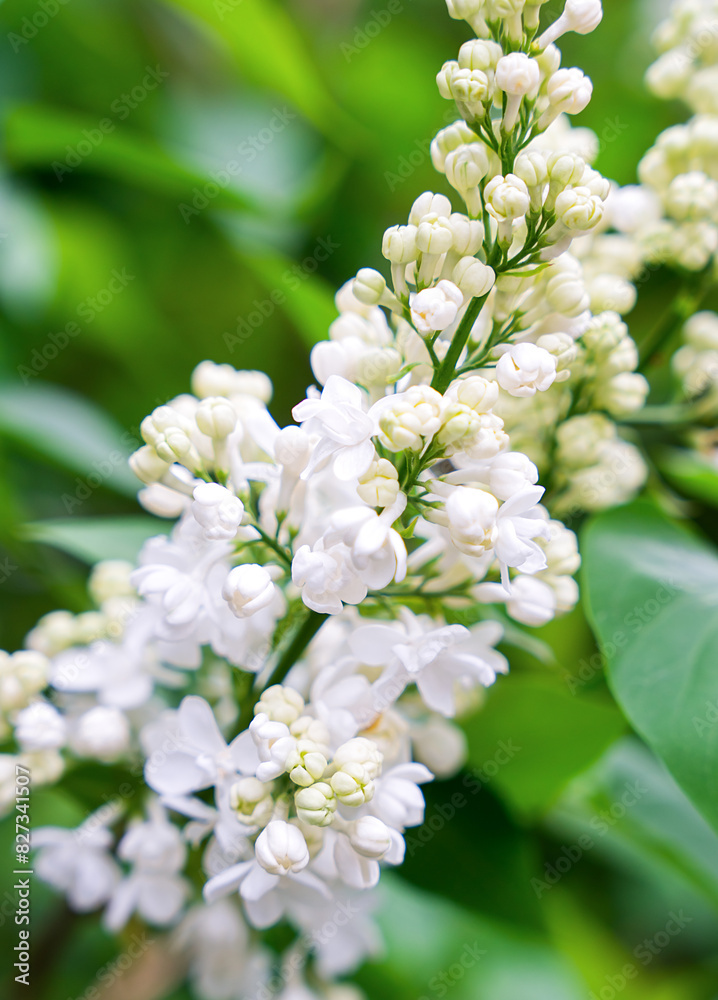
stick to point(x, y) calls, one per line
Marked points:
point(275, 738)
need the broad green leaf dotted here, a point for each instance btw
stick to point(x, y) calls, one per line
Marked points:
point(635, 814)
point(38, 136)
point(69, 430)
point(690, 473)
point(652, 593)
point(94, 539)
point(271, 52)
point(532, 736)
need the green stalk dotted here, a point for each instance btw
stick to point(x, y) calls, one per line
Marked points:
point(446, 371)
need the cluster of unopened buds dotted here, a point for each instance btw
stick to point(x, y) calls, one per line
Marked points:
point(278, 729)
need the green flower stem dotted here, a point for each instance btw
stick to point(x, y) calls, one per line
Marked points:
point(308, 628)
point(446, 371)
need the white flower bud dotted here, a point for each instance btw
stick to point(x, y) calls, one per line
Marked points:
point(428, 203)
point(531, 167)
point(623, 394)
point(581, 16)
point(480, 53)
point(525, 369)
point(306, 727)
point(511, 473)
point(570, 91)
point(692, 197)
point(147, 465)
point(102, 732)
point(370, 837)
point(701, 332)
point(468, 234)
point(281, 848)
point(517, 74)
point(449, 139)
point(532, 601)
point(468, 424)
point(379, 486)
point(253, 801)
point(623, 358)
point(562, 346)
point(22, 675)
point(436, 308)
point(53, 633)
point(216, 417)
point(433, 235)
point(465, 168)
point(369, 286)
point(579, 210)
point(473, 278)
point(210, 379)
point(477, 393)
point(469, 88)
point(217, 510)
point(565, 169)
point(441, 745)
point(316, 804)
point(566, 294)
point(110, 578)
point(408, 419)
point(40, 727)
point(399, 244)
point(472, 520)
point(582, 440)
point(306, 763)
point(465, 10)
point(507, 197)
point(248, 589)
point(607, 291)
point(280, 703)
point(357, 763)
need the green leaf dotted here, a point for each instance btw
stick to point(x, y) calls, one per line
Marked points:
point(550, 734)
point(652, 590)
point(690, 473)
point(37, 136)
point(635, 813)
point(271, 52)
point(95, 539)
point(69, 430)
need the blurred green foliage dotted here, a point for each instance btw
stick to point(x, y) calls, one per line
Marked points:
point(189, 179)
